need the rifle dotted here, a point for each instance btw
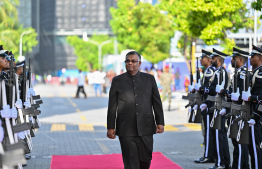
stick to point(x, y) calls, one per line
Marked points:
point(191, 98)
point(216, 120)
point(235, 108)
point(198, 99)
point(243, 131)
point(23, 89)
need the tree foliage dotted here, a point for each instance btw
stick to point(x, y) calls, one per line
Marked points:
point(209, 20)
point(144, 28)
point(87, 53)
point(257, 5)
point(10, 29)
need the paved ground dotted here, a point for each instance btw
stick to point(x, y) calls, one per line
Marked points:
point(78, 126)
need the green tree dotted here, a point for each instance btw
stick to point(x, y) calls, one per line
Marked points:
point(144, 28)
point(209, 20)
point(87, 53)
point(257, 6)
point(10, 29)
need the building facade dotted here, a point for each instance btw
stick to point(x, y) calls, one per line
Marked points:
point(54, 20)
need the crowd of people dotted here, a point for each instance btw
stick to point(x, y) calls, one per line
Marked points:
point(101, 81)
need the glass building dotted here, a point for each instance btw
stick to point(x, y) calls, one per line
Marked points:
point(54, 20)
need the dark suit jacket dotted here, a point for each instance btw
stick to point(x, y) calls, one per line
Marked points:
point(132, 100)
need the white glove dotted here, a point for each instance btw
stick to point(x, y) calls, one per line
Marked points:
point(27, 104)
point(195, 107)
point(19, 104)
point(203, 106)
point(219, 88)
point(197, 85)
point(32, 92)
point(235, 96)
point(6, 112)
point(251, 122)
point(223, 112)
point(190, 88)
point(246, 95)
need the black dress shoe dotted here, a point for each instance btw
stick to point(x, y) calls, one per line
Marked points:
point(198, 160)
point(27, 157)
point(206, 160)
point(228, 167)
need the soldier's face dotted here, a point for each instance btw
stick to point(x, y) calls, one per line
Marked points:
point(233, 61)
point(216, 61)
point(3, 63)
point(255, 60)
point(132, 63)
point(19, 70)
point(8, 64)
point(204, 61)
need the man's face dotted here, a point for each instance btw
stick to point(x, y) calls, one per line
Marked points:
point(204, 61)
point(215, 61)
point(19, 70)
point(3, 63)
point(233, 61)
point(8, 65)
point(132, 63)
point(255, 60)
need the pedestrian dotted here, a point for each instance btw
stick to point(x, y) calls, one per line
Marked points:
point(107, 84)
point(166, 80)
point(132, 98)
point(186, 83)
point(98, 80)
point(177, 79)
point(80, 84)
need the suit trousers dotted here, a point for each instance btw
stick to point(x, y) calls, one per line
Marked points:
point(137, 151)
point(209, 144)
point(82, 90)
point(221, 142)
point(254, 150)
point(240, 156)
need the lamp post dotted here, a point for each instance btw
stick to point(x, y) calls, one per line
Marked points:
point(20, 44)
point(99, 46)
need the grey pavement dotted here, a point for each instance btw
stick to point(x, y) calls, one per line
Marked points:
point(61, 133)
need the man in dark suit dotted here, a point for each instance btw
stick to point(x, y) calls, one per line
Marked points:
point(132, 98)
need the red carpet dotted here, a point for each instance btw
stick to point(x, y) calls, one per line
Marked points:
point(109, 161)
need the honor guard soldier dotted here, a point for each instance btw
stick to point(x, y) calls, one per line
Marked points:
point(234, 95)
point(209, 151)
point(219, 82)
point(3, 61)
point(255, 98)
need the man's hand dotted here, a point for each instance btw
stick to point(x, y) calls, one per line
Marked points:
point(111, 133)
point(203, 107)
point(159, 129)
point(235, 96)
point(197, 85)
point(219, 88)
point(190, 88)
point(246, 95)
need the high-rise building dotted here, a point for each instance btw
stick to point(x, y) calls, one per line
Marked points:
point(54, 20)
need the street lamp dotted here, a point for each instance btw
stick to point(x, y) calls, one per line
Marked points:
point(20, 45)
point(99, 46)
